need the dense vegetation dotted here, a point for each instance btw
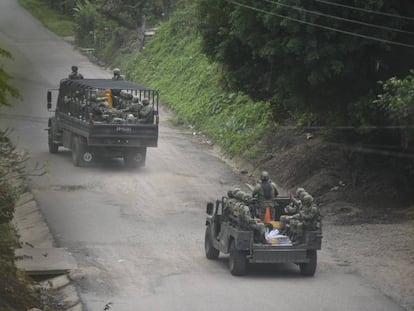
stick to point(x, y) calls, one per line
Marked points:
point(292, 53)
point(14, 291)
point(230, 63)
point(192, 86)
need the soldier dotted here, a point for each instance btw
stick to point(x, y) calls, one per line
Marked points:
point(147, 112)
point(239, 213)
point(124, 100)
point(117, 74)
point(135, 107)
point(296, 200)
point(75, 75)
point(291, 209)
point(308, 218)
point(266, 193)
point(97, 106)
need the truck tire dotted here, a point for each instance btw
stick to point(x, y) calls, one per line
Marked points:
point(135, 158)
point(237, 261)
point(80, 154)
point(53, 148)
point(309, 268)
point(211, 251)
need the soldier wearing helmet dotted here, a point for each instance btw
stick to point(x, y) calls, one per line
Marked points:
point(75, 75)
point(308, 218)
point(117, 75)
point(265, 192)
point(296, 203)
point(135, 107)
point(238, 212)
point(147, 112)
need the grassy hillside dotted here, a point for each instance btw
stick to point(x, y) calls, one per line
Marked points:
point(173, 63)
point(58, 23)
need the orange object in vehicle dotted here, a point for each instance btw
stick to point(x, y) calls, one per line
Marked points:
point(267, 217)
point(108, 94)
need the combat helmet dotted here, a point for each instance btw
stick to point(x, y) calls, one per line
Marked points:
point(145, 101)
point(232, 192)
point(299, 191)
point(117, 71)
point(307, 199)
point(264, 176)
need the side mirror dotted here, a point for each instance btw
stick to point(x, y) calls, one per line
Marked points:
point(49, 100)
point(210, 208)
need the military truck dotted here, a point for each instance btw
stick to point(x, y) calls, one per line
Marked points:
point(93, 118)
point(225, 236)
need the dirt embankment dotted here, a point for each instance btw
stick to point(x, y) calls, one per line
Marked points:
point(366, 203)
point(368, 221)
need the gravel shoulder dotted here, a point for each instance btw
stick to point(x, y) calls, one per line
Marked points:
point(367, 225)
point(381, 253)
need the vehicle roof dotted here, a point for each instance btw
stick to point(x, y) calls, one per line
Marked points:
point(101, 84)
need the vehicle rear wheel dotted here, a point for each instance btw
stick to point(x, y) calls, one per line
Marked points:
point(135, 158)
point(211, 251)
point(237, 261)
point(309, 268)
point(53, 148)
point(80, 154)
point(76, 156)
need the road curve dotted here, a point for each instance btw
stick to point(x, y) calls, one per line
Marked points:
point(137, 235)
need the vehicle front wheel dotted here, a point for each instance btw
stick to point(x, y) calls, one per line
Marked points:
point(211, 251)
point(53, 148)
point(237, 261)
point(309, 268)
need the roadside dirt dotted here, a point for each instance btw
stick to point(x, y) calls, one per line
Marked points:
point(368, 222)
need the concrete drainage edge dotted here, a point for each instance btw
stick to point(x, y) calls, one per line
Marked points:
point(27, 215)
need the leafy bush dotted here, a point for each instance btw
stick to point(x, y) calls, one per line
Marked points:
point(85, 18)
point(398, 99)
point(397, 103)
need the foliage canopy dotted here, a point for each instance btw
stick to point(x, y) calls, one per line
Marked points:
point(273, 50)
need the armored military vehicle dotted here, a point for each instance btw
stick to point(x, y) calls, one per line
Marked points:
point(224, 234)
point(103, 118)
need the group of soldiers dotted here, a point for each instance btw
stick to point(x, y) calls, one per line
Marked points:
point(302, 214)
point(124, 105)
point(247, 210)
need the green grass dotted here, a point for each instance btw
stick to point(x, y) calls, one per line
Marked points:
point(53, 20)
point(174, 64)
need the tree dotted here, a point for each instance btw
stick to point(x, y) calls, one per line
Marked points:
point(397, 102)
point(273, 51)
point(5, 88)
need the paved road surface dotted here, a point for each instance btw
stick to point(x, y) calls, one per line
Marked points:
point(138, 235)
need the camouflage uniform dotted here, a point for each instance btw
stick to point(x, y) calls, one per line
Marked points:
point(117, 75)
point(74, 75)
point(266, 193)
point(239, 213)
point(147, 112)
point(294, 207)
point(308, 218)
point(135, 107)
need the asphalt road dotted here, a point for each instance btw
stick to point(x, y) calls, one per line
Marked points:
point(138, 235)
